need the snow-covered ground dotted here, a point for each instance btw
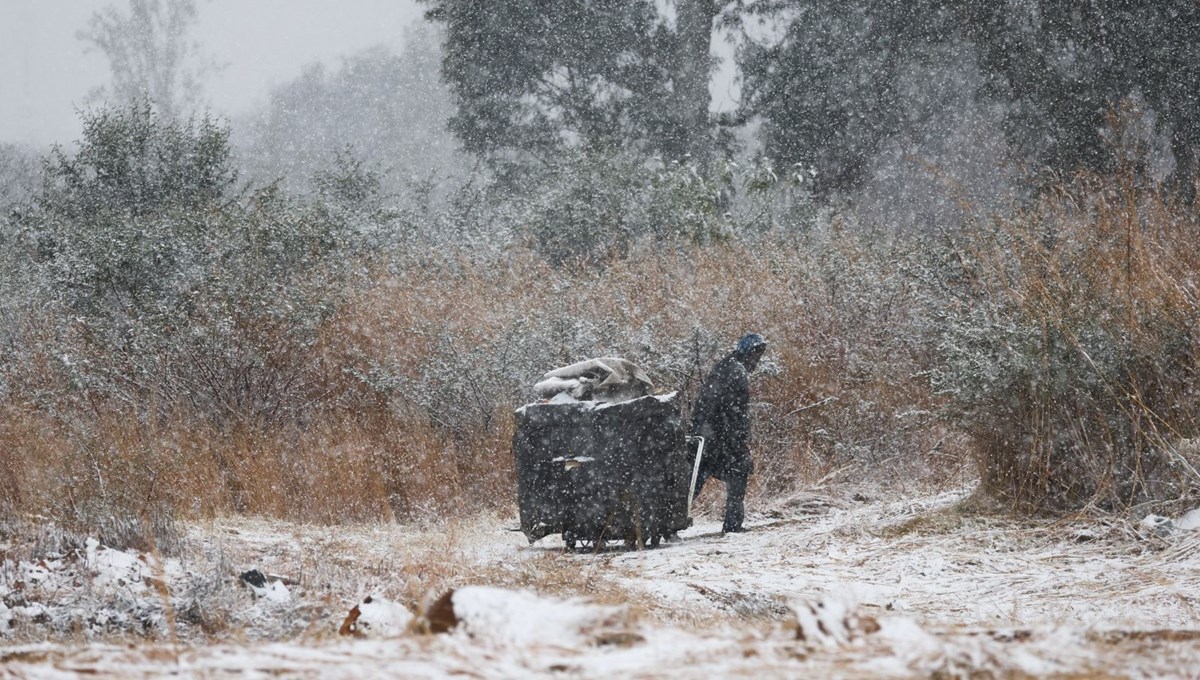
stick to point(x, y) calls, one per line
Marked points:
point(823, 585)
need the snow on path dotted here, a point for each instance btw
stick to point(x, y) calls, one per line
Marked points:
point(819, 587)
point(980, 571)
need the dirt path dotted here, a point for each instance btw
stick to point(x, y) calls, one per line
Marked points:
point(821, 585)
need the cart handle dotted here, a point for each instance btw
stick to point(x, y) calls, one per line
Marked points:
point(695, 471)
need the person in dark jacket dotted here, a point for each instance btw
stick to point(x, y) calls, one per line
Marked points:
point(722, 416)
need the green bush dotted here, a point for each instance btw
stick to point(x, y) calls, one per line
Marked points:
point(168, 285)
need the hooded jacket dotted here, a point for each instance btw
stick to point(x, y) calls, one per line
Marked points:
point(722, 416)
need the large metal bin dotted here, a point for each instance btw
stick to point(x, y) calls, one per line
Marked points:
point(600, 473)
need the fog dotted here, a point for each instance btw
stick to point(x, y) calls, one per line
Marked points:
point(47, 72)
point(966, 231)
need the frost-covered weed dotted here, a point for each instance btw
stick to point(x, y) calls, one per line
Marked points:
point(180, 346)
point(153, 303)
point(1069, 348)
point(168, 285)
point(842, 385)
point(58, 583)
point(423, 365)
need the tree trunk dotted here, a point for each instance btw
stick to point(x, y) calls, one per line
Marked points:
point(693, 70)
point(1184, 177)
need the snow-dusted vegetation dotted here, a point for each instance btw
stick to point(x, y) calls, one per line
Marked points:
point(258, 372)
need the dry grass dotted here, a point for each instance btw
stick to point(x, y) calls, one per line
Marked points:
point(1098, 378)
point(402, 408)
point(409, 411)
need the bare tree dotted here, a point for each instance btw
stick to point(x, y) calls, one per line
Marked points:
point(149, 54)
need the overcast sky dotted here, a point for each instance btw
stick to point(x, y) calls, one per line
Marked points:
point(46, 74)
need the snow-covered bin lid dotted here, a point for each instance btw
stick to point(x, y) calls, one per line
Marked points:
point(561, 401)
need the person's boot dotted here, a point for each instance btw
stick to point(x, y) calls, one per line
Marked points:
point(735, 505)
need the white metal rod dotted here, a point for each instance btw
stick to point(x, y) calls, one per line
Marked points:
point(695, 473)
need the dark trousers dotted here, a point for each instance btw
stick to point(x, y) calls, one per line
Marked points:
point(735, 497)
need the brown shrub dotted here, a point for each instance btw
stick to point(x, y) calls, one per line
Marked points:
point(1071, 351)
point(403, 405)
